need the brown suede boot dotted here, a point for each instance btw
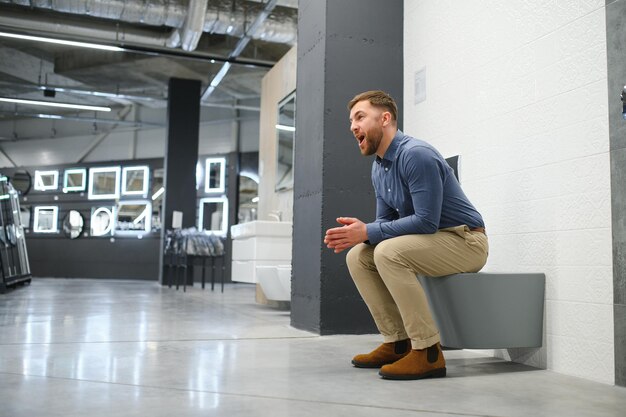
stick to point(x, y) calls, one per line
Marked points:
point(383, 354)
point(418, 364)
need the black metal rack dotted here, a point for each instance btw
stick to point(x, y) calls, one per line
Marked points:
point(14, 266)
point(183, 248)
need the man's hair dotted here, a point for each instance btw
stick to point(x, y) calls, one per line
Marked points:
point(378, 99)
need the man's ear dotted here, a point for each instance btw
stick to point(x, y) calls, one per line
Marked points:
point(386, 118)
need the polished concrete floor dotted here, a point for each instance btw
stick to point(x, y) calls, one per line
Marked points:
point(130, 348)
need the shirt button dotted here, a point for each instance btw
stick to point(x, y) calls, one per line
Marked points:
point(389, 189)
point(386, 169)
point(397, 209)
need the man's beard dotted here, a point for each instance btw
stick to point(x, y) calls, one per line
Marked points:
point(372, 141)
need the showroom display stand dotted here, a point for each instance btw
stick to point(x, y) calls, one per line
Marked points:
point(14, 266)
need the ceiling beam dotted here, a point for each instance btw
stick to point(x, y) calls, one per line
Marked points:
point(4, 154)
point(95, 143)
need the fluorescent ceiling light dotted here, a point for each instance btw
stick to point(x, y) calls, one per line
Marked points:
point(216, 80)
point(52, 104)
point(220, 75)
point(62, 42)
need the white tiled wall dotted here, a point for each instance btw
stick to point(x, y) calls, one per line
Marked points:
point(518, 89)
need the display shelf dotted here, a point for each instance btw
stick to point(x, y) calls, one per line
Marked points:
point(14, 265)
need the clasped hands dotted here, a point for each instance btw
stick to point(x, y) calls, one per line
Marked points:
point(351, 233)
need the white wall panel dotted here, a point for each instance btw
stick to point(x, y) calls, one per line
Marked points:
point(518, 89)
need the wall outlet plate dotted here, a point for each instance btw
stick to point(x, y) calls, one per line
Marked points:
point(420, 86)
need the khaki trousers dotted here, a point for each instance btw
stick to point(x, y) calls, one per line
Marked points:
point(385, 276)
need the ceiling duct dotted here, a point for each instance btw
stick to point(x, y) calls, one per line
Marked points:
point(219, 18)
point(103, 31)
point(194, 24)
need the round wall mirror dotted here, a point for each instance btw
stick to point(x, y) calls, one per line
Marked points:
point(101, 221)
point(22, 182)
point(73, 224)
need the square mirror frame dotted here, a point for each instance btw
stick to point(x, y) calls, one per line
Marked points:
point(74, 188)
point(146, 179)
point(147, 213)
point(40, 186)
point(55, 222)
point(100, 170)
point(207, 175)
point(224, 226)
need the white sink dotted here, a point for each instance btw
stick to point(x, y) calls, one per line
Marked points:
point(261, 228)
point(259, 243)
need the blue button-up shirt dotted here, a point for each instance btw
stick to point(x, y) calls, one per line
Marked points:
point(416, 192)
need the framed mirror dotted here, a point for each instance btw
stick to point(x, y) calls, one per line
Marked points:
point(102, 220)
point(46, 180)
point(22, 181)
point(157, 191)
point(285, 140)
point(135, 180)
point(104, 183)
point(214, 175)
point(248, 198)
point(46, 219)
point(133, 217)
point(213, 215)
point(74, 180)
point(73, 223)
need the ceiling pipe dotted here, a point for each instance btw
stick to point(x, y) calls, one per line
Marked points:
point(159, 13)
point(141, 41)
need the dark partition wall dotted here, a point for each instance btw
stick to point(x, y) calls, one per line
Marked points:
point(343, 48)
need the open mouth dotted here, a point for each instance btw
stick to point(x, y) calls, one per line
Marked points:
point(360, 138)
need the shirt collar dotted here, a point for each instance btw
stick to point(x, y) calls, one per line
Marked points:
point(392, 151)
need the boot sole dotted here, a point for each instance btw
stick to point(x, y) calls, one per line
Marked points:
point(436, 373)
point(369, 365)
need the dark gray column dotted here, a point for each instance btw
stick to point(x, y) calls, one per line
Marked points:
point(181, 154)
point(344, 48)
point(232, 161)
point(616, 53)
